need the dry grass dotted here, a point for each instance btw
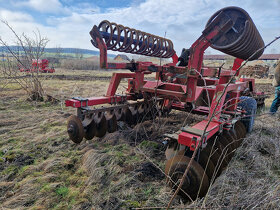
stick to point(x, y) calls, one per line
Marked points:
point(41, 168)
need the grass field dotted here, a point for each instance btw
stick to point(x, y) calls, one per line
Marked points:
point(41, 169)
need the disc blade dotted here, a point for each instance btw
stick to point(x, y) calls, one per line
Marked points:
point(111, 122)
point(90, 130)
point(75, 129)
point(120, 116)
point(207, 164)
point(128, 116)
point(196, 183)
point(101, 125)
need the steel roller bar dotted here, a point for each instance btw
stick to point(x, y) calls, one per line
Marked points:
point(243, 40)
point(129, 40)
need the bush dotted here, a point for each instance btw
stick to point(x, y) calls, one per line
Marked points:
point(80, 64)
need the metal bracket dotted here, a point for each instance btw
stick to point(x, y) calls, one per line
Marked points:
point(194, 131)
point(82, 100)
point(171, 136)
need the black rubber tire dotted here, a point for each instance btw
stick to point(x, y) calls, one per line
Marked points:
point(248, 104)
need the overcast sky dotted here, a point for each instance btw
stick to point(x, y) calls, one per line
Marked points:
point(67, 23)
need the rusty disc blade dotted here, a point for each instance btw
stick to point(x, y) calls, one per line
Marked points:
point(207, 164)
point(134, 112)
point(222, 153)
point(239, 126)
point(90, 130)
point(101, 124)
point(112, 125)
point(120, 115)
point(233, 134)
point(128, 116)
point(196, 183)
point(75, 129)
point(238, 131)
point(212, 151)
point(230, 141)
point(147, 112)
point(141, 112)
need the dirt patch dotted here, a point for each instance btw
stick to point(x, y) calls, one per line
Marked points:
point(7, 123)
point(149, 172)
point(111, 203)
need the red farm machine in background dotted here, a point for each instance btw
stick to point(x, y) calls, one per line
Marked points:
point(229, 105)
point(39, 65)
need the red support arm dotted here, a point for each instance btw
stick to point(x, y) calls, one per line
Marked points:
point(236, 64)
point(115, 81)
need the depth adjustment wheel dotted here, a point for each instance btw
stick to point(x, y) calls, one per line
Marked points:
point(75, 129)
point(196, 183)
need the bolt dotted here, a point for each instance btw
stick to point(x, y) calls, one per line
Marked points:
point(70, 129)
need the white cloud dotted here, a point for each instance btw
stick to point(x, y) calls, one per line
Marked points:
point(15, 16)
point(49, 6)
point(183, 20)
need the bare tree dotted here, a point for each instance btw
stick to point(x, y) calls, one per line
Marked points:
point(24, 57)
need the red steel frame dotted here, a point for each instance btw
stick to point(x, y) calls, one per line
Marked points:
point(180, 91)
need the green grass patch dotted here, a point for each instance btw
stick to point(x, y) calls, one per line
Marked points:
point(46, 188)
point(23, 169)
point(1, 153)
point(62, 191)
point(50, 126)
point(10, 170)
point(148, 145)
point(132, 204)
point(37, 173)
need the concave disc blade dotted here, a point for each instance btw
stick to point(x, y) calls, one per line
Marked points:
point(75, 129)
point(112, 125)
point(90, 130)
point(207, 164)
point(101, 125)
point(196, 183)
